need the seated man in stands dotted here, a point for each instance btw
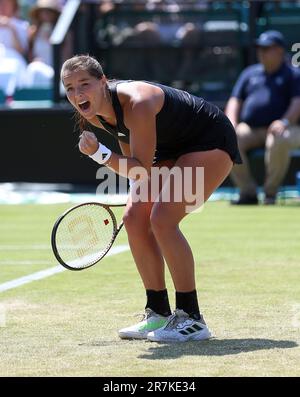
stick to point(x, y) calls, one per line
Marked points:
point(264, 108)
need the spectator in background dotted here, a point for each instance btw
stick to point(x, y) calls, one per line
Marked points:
point(144, 34)
point(44, 16)
point(189, 39)
point(13, 46)
point(264, 108)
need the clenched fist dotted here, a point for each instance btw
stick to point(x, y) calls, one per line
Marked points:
point(88, 143)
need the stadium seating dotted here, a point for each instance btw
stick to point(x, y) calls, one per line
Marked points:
point(282, 16)
point(213, 63)
point(33, 94)
point(261, 152)
point(2, 97)
point(196, 66)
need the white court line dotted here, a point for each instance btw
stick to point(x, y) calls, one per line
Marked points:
point(49, 272)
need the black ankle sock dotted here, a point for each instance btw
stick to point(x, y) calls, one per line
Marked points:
point(188, 302)
point(158, 301)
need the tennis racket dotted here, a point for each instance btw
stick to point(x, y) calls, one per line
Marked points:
point(84, 234)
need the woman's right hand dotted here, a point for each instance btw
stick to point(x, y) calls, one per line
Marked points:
point(88, 143)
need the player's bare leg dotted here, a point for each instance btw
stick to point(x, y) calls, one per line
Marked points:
point(165, 217)
point(150, 264)
point(143, 245)
point(186, 323)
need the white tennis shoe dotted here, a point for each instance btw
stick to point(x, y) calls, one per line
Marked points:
point(150, 322)
point(180, 328)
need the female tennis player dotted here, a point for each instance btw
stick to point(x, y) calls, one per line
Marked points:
point(156, 126)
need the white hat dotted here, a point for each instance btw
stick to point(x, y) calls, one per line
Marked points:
point(53, 5)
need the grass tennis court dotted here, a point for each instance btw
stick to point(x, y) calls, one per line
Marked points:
point(248, 272)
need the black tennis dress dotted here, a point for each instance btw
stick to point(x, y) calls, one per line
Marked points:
point(185, 124)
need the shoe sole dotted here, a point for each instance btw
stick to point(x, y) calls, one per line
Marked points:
point(202, 336)
point(126, 334)
point(132, 336)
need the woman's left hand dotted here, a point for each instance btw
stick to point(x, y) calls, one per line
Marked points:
point(277, 127)
point(88, 143)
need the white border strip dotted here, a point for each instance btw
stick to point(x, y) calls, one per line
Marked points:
point(49, 272)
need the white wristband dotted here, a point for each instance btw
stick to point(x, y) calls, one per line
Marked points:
point(102, 155)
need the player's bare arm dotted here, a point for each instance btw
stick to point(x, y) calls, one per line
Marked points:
point(139, 116)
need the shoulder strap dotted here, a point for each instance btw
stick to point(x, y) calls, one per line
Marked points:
point(112, 86)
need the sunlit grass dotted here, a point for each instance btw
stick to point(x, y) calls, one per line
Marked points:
point(247, 269)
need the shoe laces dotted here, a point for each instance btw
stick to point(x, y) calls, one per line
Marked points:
point(177, 317)
point(147, 314)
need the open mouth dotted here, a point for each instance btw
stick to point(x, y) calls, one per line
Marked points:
point(84, 105)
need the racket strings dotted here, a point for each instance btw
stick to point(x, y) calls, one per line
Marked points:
point(84, 235)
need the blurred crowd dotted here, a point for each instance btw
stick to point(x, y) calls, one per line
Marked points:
point(164, 28)
point(26, 58)
point(153, 25)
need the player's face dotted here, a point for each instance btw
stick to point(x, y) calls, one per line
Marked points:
point(85, 92)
